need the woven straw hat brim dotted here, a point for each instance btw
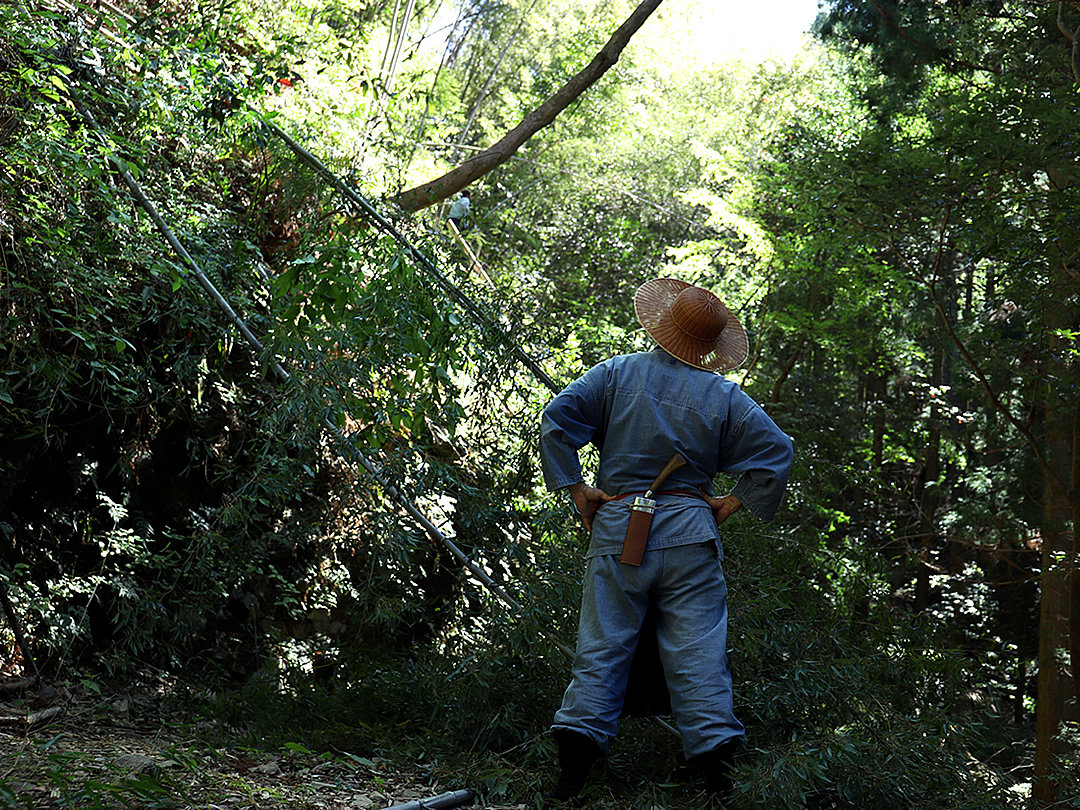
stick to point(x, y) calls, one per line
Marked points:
point(653, 302)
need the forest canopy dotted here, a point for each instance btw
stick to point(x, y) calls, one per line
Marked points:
point(267, 428)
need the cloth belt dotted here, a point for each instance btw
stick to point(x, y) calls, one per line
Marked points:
point(694, 493)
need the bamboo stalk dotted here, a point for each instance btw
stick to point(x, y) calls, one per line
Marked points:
point(397, 495)
point(381, 222)
point(60, 5)
point(403, 32)
point(473, 261)
point(402, 501)
point(456, 798)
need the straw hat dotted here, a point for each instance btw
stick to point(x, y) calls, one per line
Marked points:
point(691, 323)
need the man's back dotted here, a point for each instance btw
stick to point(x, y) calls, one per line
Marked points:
point(655, 406)
point(639, 410)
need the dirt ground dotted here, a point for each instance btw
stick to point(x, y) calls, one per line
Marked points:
point(62, 747)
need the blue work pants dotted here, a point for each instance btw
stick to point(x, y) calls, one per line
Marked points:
point(686, 586)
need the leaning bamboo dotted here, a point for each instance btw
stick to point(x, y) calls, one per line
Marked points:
point(473, 261)
point(381, 222)
point(395, 493)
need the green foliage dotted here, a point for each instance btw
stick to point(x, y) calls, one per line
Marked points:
point(169, 502)
point(846, 704)
point(127, 405)
point(78, 779)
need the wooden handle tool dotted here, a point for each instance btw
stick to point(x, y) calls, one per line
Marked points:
point(642, 510)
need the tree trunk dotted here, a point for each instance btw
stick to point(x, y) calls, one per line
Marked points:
point(422, 196)
point(969, 290)
point(788, 366)
point(1054, 677)
point(1074, 563)
point(877, 396)
point(929, 490)
point(1059, 611)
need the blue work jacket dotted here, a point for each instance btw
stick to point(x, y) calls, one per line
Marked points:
point(639, 410)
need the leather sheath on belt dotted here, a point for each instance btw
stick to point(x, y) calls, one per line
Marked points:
point(642, 509)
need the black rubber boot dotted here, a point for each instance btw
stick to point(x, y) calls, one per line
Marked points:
point(714, 768)
point(577, 753)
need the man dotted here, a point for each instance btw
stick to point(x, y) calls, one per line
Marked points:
point(459, 211)
point(639, 410)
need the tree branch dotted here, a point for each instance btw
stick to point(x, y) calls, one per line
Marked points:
point(1074, 39)
point(422, 196)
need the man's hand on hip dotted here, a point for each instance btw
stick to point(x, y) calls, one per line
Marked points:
point(723, 507)
point(588, 500)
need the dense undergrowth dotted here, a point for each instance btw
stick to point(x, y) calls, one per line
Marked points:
point(171, 504)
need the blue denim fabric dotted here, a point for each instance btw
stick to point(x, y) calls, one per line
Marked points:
point(639, 410)
point(686, 585)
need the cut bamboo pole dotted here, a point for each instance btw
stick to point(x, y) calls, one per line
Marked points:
point(473, 261)
point(368, 210)
point(457, 798)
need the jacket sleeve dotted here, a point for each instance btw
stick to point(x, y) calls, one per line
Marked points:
point(569, 422)
point(761, 454)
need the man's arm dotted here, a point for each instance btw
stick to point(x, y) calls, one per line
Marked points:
point(569, 422)
point(761, 454)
